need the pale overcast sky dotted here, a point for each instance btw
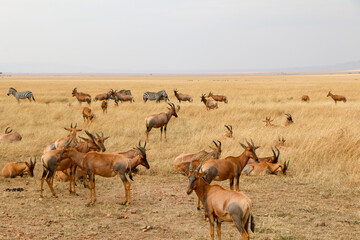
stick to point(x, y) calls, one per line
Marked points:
point(178, 36)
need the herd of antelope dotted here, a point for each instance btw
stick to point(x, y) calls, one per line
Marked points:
point(75, 157)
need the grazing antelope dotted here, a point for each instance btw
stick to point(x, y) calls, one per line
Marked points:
point(209, 104)
point(104, 106)
point(265, 168)
point(121, 97)
point(289, 119)
point(218, 98)
point(271, 159)
point(160, 120)
point(87, 115)
point(21, 95)
point(10, 136)
point(14, 169)
point(81, 97)
point(281, 142)
point(305, 98)
point(268, 122)
point(228, 132)
point(72, 136)
point(337, 97)
point(222, 205)
point(107, 165)
point(229, 167)
point(103, 96)
point(182, 97)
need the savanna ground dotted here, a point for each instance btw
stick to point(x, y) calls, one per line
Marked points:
point(318, 199)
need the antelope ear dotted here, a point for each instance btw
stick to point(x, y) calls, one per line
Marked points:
point(68, 129)
point(27, 164)
point(78, 130)
point(257, 147)
point(105, 138)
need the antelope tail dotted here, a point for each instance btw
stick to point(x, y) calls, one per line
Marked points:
point(252, 224)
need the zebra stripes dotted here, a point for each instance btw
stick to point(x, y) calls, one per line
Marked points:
point(21, 95)
point(161, 95)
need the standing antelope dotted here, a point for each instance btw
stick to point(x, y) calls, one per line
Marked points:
point(81, 97)
point(160, 120)
point(72, 135)
point(21, 95)
point(222, 205)
point(107, 165)
point(265, 168)
point(209, 104)
point(104, 106)
point(103, 96)
point(218, 98)
point(10, 136)
point(182, 97)
point(305, 98)
point(337, 97)
point(121, 97)
point(229, 167)
point(14, 169)
point(87, 115)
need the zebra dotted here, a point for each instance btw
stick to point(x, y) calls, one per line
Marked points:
point(21, 95)
point(161, 95)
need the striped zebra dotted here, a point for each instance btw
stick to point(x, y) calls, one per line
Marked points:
point(21, 95)
point(161, 95)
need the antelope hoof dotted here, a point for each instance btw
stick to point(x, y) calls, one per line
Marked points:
point(88, 205)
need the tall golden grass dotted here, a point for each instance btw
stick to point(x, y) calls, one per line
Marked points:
point(322, 144)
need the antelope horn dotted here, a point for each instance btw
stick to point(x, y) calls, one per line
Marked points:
point(199, 167)
point(247, 142)
point(145, 144)
point(191, 166)
point(215, 143)
point(31, 161)
point(75, 125)
point(89, 134)
point(252, 141)
point(6, 130)
point(228, 128)
point(219, 143)
point(35, 160)
point(97, 134)
point(102, 134)
point(71, 125)
point(231, 128)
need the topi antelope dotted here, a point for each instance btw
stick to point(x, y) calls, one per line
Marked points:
point(218, 98)
point(268, 122)
point(209, 104)
point(280, 142)
point(221, 205)
point(81, 97)
point(72, 136)
point(182, 97)
point(121, 97)
point(104, 106)
point(160, 120)
point(265, 168)
point(228, 132)
point(229, 167)
point(336, 97)
point(14, 169)
point(289, 119)
point(10, 136)
point(103, 96)
point(271, 159)
point(305, 98)
point(87, 115)
point(107, 165)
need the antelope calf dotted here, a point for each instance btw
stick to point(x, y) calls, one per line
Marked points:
point(104, 106)
point(182, 97)
point(229, 167)
point(305, 98)
point(10, 136)
point(336, 98)
point(222, 205)
point(218, 98)
point(87, 115)
point(266, 168)
point(72, 136)
point(14, 169)
point(81, 97)
point(160, 120)
point(209, 104)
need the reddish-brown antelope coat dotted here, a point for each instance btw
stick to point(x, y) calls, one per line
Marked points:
point(336, 98)
point(222, 205)
point(305, 98)
point(72, 136)
point(108, 165)
point(122, 97)
point(103, 96)
point(10, 136)
point(104, 106)
point(182, 97)
point(271, 159)
point(87, 115)
point(218, 98)
point(81, 97)
point(265, 168)
point(209, 104)
point(160, 120)
point(229, 167)
point(14, 169)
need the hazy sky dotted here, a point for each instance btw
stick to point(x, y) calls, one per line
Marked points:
point(143, 36)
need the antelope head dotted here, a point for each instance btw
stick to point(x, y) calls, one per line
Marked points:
point(194, 177)
point(250, 150)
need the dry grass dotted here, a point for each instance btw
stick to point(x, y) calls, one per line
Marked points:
point(318, 199)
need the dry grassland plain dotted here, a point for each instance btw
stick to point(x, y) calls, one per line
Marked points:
point(318, 199)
